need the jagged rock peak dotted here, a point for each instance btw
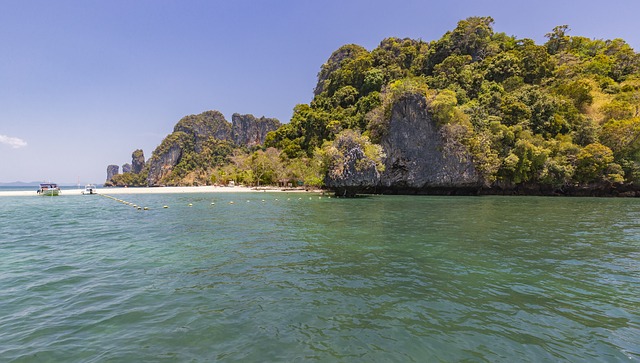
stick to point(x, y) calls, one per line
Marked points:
point(194, 134)
point(126, 168)
point(137, 161)
point(112, 170)
point(205, 125)
point(247, 130)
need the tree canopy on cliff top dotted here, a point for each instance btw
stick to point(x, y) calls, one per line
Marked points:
point(567, 111)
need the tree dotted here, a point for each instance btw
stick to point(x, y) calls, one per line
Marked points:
point(443, 107)
point(373, 81)
point(514, 112)
point(525, 161)
point(558, 39)
point(472, 37)
point(617, 110)
point(623, 138)
point(579, 92)
point(537, 64)
point(306, 170)
point(503, 66)
point(450, 71)
point(266, 166)
point(350, 154)
point(595, 163)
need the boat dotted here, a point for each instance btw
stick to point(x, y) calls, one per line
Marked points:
point(49, 189)
point(89, 189)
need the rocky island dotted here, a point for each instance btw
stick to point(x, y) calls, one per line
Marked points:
point(475, 112)
point(197, 144)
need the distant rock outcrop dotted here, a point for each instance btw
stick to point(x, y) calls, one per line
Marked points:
point(166, 156)
point(111, 171)
point(137, 161)
point(247, 130)
point(203, 126)
point(126, 168)
point(196, 134)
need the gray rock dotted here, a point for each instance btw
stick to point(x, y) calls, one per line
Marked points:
point(111, 171)
point(203, 126)
point(247, 130)
point(192, 132)
point(126, 168)
point(137, 161)
point(416, 157)
point(166, 157)
point(350, 170)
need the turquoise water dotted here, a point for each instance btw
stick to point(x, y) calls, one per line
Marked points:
point(376, 279)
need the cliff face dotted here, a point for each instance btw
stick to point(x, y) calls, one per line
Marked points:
point(193, 135)
point(201, 127)
point(247, 130)
point(416, 157)
point(137, 161)
point(111, 171)
point(126, 168)
point(166, 156)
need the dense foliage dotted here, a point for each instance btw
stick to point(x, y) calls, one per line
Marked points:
point(128, 179)
point(563, 113)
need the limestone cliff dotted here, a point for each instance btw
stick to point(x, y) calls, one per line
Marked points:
point(111, 171)
point(247, 130)
point(126, 168)
point(416, 157)
point(137, 161)
point(166, 156)
point(200, 127)
point(195, 138)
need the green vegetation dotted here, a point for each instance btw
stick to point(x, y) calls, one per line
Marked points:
point(268, 167)
point(195, 167)
point(338, 154)
point(129, 179)
point(563, 113)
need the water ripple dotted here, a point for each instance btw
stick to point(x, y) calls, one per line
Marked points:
point(369, 279)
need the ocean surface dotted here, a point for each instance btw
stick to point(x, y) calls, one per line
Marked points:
point(297, 278)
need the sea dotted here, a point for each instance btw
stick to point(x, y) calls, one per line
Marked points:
point(301, 277)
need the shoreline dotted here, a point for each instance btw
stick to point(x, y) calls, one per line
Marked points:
point(159, 190)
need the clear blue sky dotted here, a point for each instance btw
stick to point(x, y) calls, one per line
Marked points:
point(84, 83)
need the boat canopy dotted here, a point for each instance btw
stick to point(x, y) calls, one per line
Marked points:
point(48, 185)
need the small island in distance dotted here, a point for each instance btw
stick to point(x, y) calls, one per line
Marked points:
point(475, 112)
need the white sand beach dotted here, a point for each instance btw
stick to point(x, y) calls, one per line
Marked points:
point(155, 190)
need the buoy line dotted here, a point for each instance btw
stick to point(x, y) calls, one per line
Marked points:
point(135, 206)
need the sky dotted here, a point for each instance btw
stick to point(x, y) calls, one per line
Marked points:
point(84, 83)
